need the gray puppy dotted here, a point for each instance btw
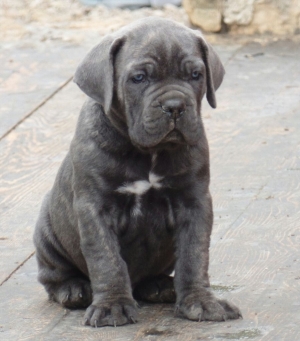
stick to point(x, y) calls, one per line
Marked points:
point(131, 200)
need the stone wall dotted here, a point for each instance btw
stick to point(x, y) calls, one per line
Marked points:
point(245, 16)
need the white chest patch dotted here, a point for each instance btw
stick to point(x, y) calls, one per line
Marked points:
point(140, 187)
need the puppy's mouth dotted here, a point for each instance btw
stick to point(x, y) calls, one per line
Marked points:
point(174, 136)
point(172, 140)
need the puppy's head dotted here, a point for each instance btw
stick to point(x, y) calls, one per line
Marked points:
point(152, 75)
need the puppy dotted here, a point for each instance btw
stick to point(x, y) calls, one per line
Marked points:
point(131, 202)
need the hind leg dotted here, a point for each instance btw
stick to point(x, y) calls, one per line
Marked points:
point(63, 282)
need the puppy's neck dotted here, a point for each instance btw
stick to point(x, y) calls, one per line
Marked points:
point(172, 163)
point(118, 122)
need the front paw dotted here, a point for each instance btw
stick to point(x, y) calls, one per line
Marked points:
point(116, 313)
point(208, 308)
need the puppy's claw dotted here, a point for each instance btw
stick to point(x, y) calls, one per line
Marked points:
point(176, 310)
point(132, 320)
point(224, 318)
point(85, 322)
point(115, 323)
point(66, 299)
point(80, 295)
point(200, 318)
point(95, 323)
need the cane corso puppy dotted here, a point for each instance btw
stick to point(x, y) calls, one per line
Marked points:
point(131, 201)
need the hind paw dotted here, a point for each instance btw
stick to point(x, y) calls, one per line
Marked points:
point(156, 290)
point(73, 294)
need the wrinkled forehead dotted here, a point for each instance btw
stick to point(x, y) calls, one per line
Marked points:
point(161, 45)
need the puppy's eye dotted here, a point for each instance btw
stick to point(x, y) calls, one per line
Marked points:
point(195, 75)
point(138, 78)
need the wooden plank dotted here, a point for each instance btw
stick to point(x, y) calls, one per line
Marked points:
point(265, 265)
point(264, 268)
point(29, 157)
point(30, 75)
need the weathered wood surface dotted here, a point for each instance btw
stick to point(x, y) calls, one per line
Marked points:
point(30, 75)
point(30, 156)
point(254, 138)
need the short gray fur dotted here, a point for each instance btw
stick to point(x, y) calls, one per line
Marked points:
point(142, 121)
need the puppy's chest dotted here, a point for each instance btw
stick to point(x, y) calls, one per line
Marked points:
point(145, 194)
point(141, 187)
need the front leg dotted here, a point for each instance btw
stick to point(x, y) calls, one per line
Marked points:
point(112, 303)
point(195, 300)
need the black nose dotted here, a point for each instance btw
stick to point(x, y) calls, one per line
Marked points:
point(174, 107)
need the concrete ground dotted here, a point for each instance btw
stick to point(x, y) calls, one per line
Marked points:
point(254, 137)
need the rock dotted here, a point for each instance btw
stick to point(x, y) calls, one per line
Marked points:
point(204, 13)
point(280, 17)
point(246, 16)
point(208, 19)
point(238, 12)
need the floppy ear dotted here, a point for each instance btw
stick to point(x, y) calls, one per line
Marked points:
point(95, 74)
point(214, 71)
